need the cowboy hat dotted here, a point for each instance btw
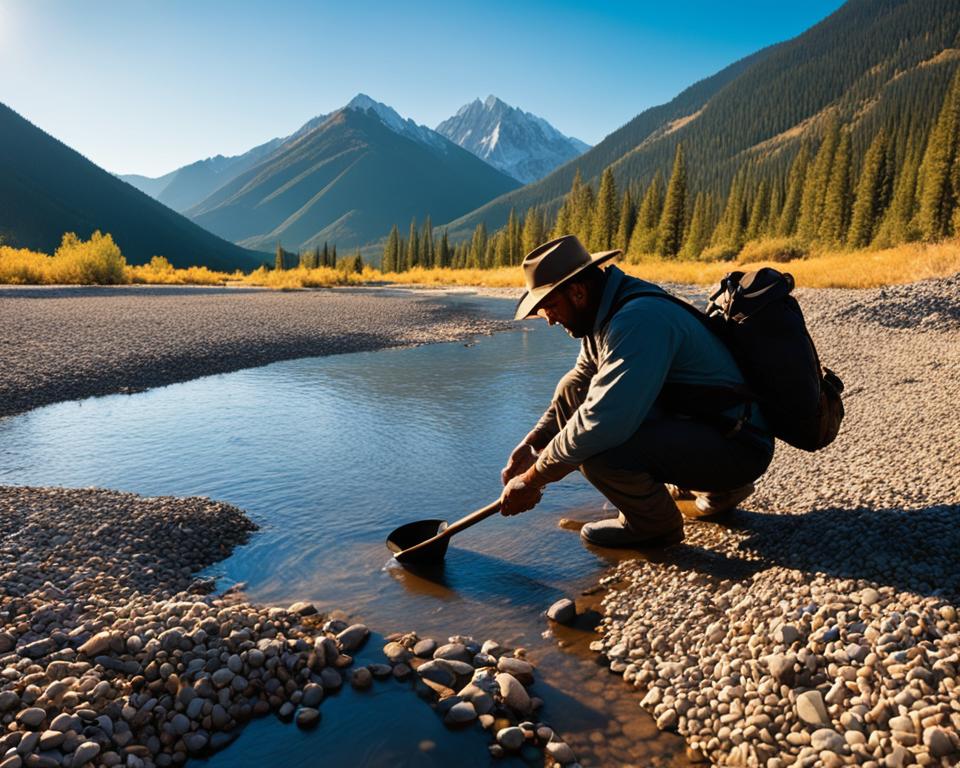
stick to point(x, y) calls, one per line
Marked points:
point(550, 265)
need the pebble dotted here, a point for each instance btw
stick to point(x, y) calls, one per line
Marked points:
point(462, 712)
point(361, 678)
point(561, 752)
point(510, 738)
point(811, 709)
point(425, 648)
point(308, 717)
point(513, 693)
point(563, 611)
point(351, 638)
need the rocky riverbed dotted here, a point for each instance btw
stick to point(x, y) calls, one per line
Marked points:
point(818, 625)
point(113, 653)
point(71, 342)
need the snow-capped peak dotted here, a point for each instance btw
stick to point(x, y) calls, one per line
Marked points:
point(518, 143)
point(389, 117)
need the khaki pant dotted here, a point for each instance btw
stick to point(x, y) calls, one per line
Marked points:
point(665, 449)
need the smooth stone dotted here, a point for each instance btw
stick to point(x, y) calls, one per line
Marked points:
point(486, 721)
point(491, 648)
point(380, 671)
point(787, 634)
point(303, 608)
point(222, 677)
point(235, 664)
point(869, 596)
point(811, 709)
point(402, 671)
point(85, 753)
point(312, 695)
point(438, 672)
point(520, 669)
point(781, 667)
point(425, 648)
point(827, 739)
point(361, 678)
point(50, 739)
point(564, 611)
point(352, 637)
point(255, 658)
point(31, 717)
point(462, 712)
point(453, 652)
point(180, 724)
point(667, 719)
point(8, 700)
point(513, 693)
point(511, 738)
point(561, 752)
point(196, 741)
point(308, 717)
point(396, 653)
point(97, 644)
point(937, 741)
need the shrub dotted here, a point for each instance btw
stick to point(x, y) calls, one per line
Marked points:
point(778, 250)
point(719, 253)
point(97, 261)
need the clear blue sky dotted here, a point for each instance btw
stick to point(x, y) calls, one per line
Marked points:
point(144, 86)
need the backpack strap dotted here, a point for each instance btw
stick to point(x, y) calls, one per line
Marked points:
point(701, 401)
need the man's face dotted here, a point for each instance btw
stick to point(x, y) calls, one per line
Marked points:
point(567, 306)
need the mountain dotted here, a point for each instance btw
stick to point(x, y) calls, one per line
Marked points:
point(348, 179)
point(47, 189)
point(518, 143)
point(186, 186)
point(871, 63)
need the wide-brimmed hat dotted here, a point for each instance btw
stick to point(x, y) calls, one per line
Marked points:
point(550, 265)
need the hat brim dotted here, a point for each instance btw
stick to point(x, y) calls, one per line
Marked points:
point(530, 299)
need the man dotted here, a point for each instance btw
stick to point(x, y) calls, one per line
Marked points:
point(654, 409)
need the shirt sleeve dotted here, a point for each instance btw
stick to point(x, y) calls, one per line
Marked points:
point(633, 362)
point(573, 386)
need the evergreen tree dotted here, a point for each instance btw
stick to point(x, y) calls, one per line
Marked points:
point(427, 259)
point(730, 229)
point(758, 214)
point(413, 245)
point(837, 201)
point(325, 255)
point(533, 231)
point(698, 235)
point(673, 219)
point(872, 191)
point(515, 236)
point(443, 251)
point(566, 219)
point(626, 221)
point(333, 255)
point(898, 224)
point(605, 221)
point(583, 210)
point(478, 247)
point(787, 224)
point(940, 185)
point(502, 248)
point(815, 185)
point(391, 252)
point(644, 236)
point(278, 262)
point(358, 261)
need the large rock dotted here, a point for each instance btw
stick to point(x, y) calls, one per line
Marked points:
point(463, 712)
point(438, 671)
point(352, 637)
point(520, 669)
point(453, 652)
point(564, 611)
point(561, 752)
point(396, 653)
point(511, 738)
point(513, 694)
point(811, 709)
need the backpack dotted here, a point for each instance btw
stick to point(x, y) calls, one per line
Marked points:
point(762, 325)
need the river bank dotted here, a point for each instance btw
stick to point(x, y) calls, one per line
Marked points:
point(66, 343)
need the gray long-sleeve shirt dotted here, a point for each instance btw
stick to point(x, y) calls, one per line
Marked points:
point(623, 365)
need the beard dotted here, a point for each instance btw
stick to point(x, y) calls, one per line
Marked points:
point(578, 327)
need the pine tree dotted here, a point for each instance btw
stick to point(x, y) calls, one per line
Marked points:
point(533, 234)
point(605, 221)
point(898, 224)
point(673, 219)
point(358, 261)
point(940, 192)
point(759, 212)
point(626, 221)
point(787, 224)
point(837, 201)
point(730, 229)
point(413, 245)
point(501, 248)
point(427, 259)
point(872, 189)
point(478, 247)
point(391, 252)
point(333, 255)
point(278, 262)
point(644, 236)
point(583, 211)
point(815, 185)
point(325, 256)
point(566, 219)
point(442, 259)
point(698, 235)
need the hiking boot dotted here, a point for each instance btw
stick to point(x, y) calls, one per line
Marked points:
point(715, 503)
point(612, 533)
point(679, 494)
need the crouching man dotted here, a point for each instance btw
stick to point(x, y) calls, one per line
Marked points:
point(654, 409)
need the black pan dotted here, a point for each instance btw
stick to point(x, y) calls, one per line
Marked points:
point(426, 541)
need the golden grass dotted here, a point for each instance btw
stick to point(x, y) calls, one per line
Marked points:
point(836, 269)
point(161, 272)
point(321, 277)
point(96, 261)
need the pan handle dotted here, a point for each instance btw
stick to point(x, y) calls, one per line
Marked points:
point(472, 519)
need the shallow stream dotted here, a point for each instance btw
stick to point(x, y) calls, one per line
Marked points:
point(328, 455)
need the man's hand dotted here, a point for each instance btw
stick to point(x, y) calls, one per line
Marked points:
point(519, 496)
point(523, 457)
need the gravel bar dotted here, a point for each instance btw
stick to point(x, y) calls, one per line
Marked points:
point(818, 625)
point(72, 342)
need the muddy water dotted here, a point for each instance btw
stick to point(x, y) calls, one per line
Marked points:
point(328, 455)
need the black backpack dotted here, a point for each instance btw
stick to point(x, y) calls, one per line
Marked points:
point(754, 314)
point(762, 324)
